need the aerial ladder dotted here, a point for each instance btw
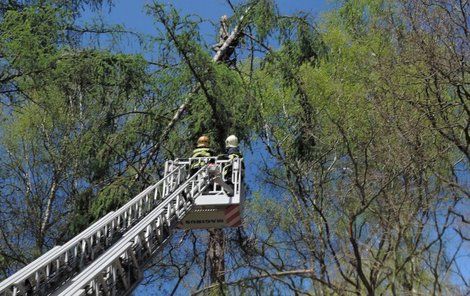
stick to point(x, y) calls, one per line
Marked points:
point(110, 256)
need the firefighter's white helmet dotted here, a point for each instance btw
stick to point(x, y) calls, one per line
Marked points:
point(231, 142)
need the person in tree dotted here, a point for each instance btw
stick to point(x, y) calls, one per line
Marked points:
point(202, 150)
point(231, 144)
point(232, 152)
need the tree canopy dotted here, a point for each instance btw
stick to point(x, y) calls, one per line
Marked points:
point(355, 123)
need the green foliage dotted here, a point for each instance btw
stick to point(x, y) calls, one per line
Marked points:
point(264, 16)
point(113, 196)
point(359, 145)
point(30, 37)
point(78, 124)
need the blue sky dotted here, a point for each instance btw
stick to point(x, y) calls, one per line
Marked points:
point(133, 16)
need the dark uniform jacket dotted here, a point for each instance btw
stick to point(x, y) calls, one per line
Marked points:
point(233, 152)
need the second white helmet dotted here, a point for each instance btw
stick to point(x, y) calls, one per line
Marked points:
point(231, 141)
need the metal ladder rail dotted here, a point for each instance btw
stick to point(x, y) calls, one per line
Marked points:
point(85, 248)
point(122, 265)
point(40, 261)
point(16, 277)
point(152, 228)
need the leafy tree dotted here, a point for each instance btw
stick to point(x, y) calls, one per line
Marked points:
point(358, 122)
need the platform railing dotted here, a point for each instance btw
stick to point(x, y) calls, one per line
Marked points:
point(230, 170)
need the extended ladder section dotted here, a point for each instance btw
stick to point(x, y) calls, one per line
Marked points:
point(109, 257)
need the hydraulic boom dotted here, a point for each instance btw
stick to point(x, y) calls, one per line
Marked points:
point(109, 257)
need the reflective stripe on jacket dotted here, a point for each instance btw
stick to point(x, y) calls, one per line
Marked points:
point(201, 152)
point(233, 153)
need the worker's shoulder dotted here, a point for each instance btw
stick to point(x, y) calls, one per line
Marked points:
point(234, 151)
point(203, 149)
point(206, 152)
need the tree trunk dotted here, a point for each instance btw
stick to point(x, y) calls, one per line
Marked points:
point(216, 255)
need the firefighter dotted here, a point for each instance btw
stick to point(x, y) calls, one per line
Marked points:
point(232, 152)
point(231, 144)
point(202, 150)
